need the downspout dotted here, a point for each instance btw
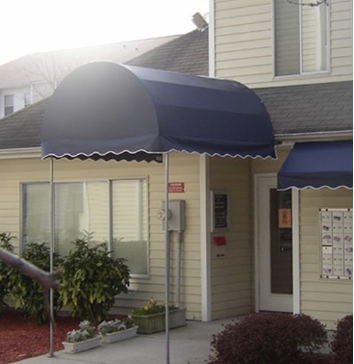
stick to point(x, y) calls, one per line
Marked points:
point(178, 268)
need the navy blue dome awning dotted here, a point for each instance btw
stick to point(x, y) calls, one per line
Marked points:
point(108, 111)
point(317, 165)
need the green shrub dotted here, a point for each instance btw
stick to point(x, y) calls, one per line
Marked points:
point(269, 338)
point(91, 280)
point(27, 292)
point(342, 344)
point(5, 270)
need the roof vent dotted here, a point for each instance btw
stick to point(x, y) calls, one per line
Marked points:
point(199, 22)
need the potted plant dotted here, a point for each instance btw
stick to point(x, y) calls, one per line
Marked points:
point(151, 318)
point(82, 339)
point(117, 330)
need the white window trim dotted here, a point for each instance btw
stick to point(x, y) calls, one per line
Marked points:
point(301, 74)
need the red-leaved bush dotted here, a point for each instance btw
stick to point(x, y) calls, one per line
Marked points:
point(342, 344)
point(269, 338)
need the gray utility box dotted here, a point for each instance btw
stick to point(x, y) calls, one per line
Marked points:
point(176, 215)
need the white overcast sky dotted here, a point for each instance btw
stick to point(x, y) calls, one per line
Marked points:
point(30, 26)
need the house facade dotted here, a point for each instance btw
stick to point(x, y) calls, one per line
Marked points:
point(292, 55)
point(246, 246)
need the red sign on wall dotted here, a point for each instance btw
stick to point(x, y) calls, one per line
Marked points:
point(176, 187)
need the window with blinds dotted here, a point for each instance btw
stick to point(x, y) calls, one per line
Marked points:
point(111, 211)
point(301, 38)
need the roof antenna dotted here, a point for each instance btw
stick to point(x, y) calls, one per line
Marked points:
point(200, 22)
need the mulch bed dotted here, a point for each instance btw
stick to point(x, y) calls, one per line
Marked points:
point(315, 359)
point(21, 338)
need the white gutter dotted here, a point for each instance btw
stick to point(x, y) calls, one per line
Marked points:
point(289, 139)
point(35, 152)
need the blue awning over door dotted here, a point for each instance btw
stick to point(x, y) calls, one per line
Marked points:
point(317, 165)
point(108, 111)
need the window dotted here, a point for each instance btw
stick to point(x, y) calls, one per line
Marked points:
point(301, 38)
point(129, 210)
point(112, 211)
point(27, 98)
point(9, 104)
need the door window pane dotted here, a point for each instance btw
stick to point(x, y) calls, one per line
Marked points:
point(281, 242)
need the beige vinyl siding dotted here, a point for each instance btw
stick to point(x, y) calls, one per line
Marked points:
point(231, 285)
point(183, 168)
point(270, 165)
point(244, 44)
point(328, 300)
point(243, 39)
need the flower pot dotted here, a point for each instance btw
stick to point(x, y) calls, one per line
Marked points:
point(119, 335)
point(73, 348)
point(149, 324)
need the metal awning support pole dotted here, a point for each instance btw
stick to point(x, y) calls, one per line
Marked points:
point(167, 282)
point(52, 232)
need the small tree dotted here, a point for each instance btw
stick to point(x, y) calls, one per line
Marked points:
point(27, 292)
point(5, 269)
point(91, 280)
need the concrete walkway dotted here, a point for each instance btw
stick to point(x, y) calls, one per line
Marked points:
point(188, 345)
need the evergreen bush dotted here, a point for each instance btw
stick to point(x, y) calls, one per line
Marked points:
point(269, 338)
point(5, 270)
point(342, 344)
point(91, 280)
point(28, 293)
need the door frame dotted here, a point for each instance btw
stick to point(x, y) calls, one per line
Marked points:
point(296, 243)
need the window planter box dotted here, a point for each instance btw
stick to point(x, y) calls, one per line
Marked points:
point(73, 348)
point(149, 324)
point(119, 335)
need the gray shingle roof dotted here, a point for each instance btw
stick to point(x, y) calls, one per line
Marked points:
point(186, 54)
point(313, 108)
point(23, 128)
point(296, 109)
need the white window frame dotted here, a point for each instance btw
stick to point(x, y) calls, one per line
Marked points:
point(302, 73)
point(110, 214)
